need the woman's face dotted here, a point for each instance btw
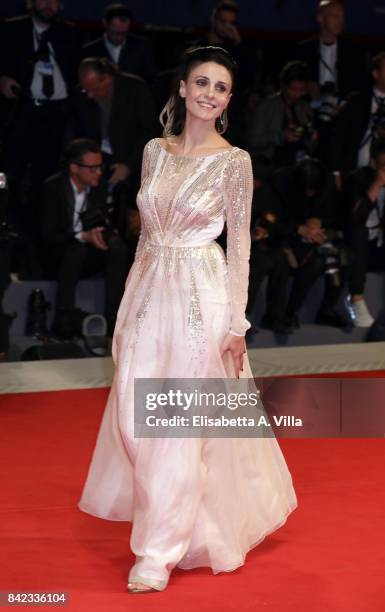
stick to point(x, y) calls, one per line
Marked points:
point(207, 91)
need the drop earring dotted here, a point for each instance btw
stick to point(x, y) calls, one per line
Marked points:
point(222, 122)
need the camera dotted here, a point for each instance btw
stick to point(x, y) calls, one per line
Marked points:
point(329, 101)
point(103, 216)
point(305, 132)
point(333, 258)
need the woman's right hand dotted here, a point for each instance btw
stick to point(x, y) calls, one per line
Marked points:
point(236, 346)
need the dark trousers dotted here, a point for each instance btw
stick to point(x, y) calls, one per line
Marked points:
point(35, 140)
point(304, 278)
point(364, 255)
point(271, 262)
point(324, 129)
point(5, 269)
point(79, 260)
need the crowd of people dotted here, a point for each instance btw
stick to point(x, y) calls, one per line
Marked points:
point(76, 115)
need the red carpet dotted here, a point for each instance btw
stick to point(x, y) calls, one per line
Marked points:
point(330, 556)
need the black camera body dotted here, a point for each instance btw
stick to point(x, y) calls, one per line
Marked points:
point(305, 131)
point(329, 101)
point(334, 256)
point(101, 216)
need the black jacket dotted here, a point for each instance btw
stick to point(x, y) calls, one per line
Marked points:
point(351, 67)
point(136, 56)
point(58, 208)
point(132, 119)
point(348, 133)
point(17, 50)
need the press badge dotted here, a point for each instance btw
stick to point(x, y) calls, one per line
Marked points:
point(46, 68)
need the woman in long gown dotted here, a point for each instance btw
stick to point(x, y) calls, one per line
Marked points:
point(192, 501)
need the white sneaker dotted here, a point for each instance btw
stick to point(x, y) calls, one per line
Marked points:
point(359, 313)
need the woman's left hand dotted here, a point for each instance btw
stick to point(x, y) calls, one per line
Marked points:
point(236, 346)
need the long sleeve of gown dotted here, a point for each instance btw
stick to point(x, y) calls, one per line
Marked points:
point(238, 189)
point(144, 174)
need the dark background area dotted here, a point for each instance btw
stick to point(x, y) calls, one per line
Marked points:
point(363, 16)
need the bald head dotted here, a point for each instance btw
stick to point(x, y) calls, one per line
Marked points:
point(331, 19)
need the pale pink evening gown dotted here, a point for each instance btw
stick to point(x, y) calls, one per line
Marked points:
point(192, 501)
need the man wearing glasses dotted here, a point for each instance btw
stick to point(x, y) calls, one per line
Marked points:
point(80, 236)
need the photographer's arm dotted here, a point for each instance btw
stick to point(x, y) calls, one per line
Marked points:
point(52, 230)
point(8, 82)
point(94, 237)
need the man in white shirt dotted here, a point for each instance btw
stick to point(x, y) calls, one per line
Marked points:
point(336, 68)
point(74, 231)
point(129, 52)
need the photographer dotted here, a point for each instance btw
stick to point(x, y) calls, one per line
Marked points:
point(308, 197)
point(360, 123)
point(77, 244)
point(364, 193)
point(282, 127)
point(224, 32)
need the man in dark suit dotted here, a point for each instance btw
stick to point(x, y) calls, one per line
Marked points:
point(336, 68)
point(360, 122)
point(116, 110)
point(129, 52)
point(73, 250)
point(39, 55)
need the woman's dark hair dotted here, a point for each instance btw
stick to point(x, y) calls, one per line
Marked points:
point(173, 115)
point(294, 71)
point(79, 147)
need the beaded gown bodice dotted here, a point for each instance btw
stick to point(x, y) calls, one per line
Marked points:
point(184, 203)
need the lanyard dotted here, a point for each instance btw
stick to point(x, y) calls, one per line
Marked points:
point(333, 71)
point(374, 120)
